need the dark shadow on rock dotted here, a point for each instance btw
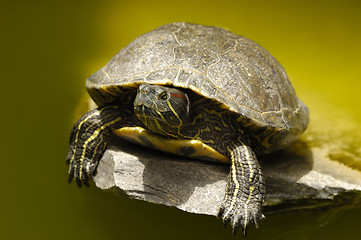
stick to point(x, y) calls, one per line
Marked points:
point(283, 171)
point(180, 178)
point(171, 180)
point(296, 159)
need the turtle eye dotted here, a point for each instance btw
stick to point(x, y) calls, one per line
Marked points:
point(163, 95)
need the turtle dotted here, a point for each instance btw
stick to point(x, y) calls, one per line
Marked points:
point(197, 91)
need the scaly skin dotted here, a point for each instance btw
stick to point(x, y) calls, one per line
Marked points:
point(245, 189)
point(205, 121)
point(88, 141)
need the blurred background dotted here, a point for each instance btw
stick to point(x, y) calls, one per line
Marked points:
point(49, 48)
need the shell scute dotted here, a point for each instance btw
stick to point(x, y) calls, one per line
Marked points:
point(214, 63)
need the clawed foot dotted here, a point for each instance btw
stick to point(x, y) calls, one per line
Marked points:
point(80, 171)
point(88, 142)
point(240, 213)
point(245, 189)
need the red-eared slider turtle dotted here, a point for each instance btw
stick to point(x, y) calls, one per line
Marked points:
point(206, 93)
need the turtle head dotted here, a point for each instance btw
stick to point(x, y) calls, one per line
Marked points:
point(163, 110)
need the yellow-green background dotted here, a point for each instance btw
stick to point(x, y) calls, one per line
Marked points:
point(49, 48)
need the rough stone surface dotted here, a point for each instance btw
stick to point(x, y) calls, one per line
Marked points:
point(299, 175)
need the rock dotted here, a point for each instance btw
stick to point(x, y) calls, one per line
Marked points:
point(322, 167)
point(297, 177)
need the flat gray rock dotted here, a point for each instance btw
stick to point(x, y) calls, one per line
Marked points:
point(299, 175)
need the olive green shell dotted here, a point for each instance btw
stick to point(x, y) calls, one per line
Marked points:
point(214, 63)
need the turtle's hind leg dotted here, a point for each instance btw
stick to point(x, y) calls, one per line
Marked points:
point(245, 189)
point(88, 140)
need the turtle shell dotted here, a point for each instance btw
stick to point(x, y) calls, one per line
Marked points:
point(216, 64)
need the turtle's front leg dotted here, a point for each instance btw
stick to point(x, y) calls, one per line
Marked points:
point(88, 140)
point(245, 189)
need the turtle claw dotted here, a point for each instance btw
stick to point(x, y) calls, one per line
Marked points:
point(234, 231)
point(255, 220)
point(220, 212)
point(79, 182)
point(88, 143)
point(225, 223)
point(80, 172)
point(239, 215)
point(255, 223)
point(235, 225)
